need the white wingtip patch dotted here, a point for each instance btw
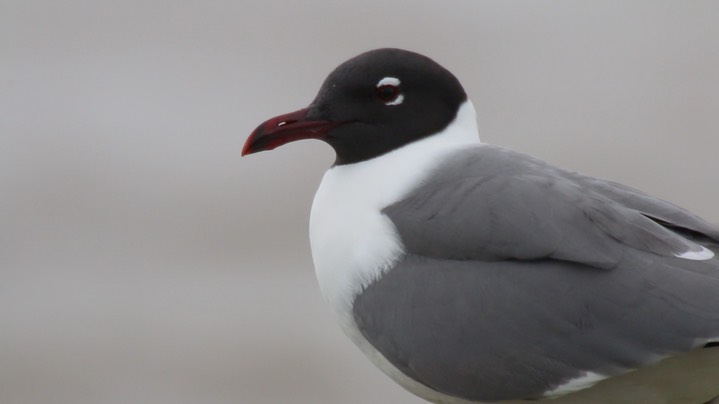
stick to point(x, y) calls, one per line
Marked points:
point(703, 255)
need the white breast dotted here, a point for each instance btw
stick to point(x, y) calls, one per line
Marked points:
point(353, 243)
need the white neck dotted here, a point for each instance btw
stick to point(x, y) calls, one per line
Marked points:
point(353, 243)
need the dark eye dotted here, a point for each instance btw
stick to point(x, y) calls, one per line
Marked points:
point(387, 93)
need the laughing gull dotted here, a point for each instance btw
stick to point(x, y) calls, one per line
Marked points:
point(470, 273)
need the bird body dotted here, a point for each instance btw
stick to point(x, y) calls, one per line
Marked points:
point(470, 273)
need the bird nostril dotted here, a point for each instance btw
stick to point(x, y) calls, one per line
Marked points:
point(283, 123)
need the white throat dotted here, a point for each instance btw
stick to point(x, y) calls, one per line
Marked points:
point(352, 242)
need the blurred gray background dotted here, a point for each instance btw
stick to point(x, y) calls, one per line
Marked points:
point(143, 261)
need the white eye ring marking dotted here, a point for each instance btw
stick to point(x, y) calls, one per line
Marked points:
point(396, 101)
point(391, 81)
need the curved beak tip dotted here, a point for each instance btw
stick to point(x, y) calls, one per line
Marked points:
point(247, 148)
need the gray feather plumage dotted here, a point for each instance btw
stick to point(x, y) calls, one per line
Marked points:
point(519, 276)
point(490, 203)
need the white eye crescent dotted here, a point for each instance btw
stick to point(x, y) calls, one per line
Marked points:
point(388, 91)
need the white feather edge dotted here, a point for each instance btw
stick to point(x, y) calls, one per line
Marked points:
point(702, 255)
point(588, 379)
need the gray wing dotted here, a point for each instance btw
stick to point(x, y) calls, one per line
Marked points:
point(494, 204)
point(519, 277)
